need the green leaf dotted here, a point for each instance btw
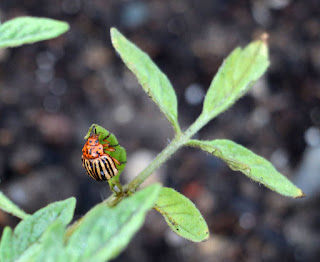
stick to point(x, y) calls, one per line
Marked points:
point(6, 249)
point(235, 76)
point(119, 154)
point(104, 232)
point(153, 81)
point(181, 215)
point(257, 168)
point(26, 30)
point(27, 233)
point(52, 245)
point(8, 206)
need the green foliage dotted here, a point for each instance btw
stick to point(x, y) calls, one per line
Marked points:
point(257, 168)
point(99, 236)
point(153, 81)
point(181, 215)
point(238, 71)
point(6, 249)
point(52, 245)
point(24, 242)
point(109, 226)
point(104, 232)
point(27, 30)
point(233, 80)
point(8, 206)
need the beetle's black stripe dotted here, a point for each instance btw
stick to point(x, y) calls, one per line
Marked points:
point(88, 167)
point(108, 166)
point(105, 172)
point(102, 168)
point(93, 172)
point(112, 167)
point(96, 169)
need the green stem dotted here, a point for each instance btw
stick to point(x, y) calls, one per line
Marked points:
point(162, 157)
point(180, 140)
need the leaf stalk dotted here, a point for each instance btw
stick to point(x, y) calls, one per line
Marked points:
point(180, 140)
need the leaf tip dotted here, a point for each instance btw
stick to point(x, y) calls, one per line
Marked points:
point(113, 32)
point(70, 202)
point(300, 194)
point(66, 26)
point(73, 201)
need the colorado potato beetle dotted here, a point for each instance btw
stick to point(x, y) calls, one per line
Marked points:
point(98, 164)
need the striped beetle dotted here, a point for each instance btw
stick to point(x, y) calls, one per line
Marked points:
point(98, 164)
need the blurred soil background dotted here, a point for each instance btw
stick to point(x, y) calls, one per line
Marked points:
point(52, 91)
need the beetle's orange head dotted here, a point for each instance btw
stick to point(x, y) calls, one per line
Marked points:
point(93, 140)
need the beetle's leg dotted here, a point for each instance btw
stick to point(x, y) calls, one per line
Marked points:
point(107, 144)
point(110, 149)
point(116, 161)
point(105, 139)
